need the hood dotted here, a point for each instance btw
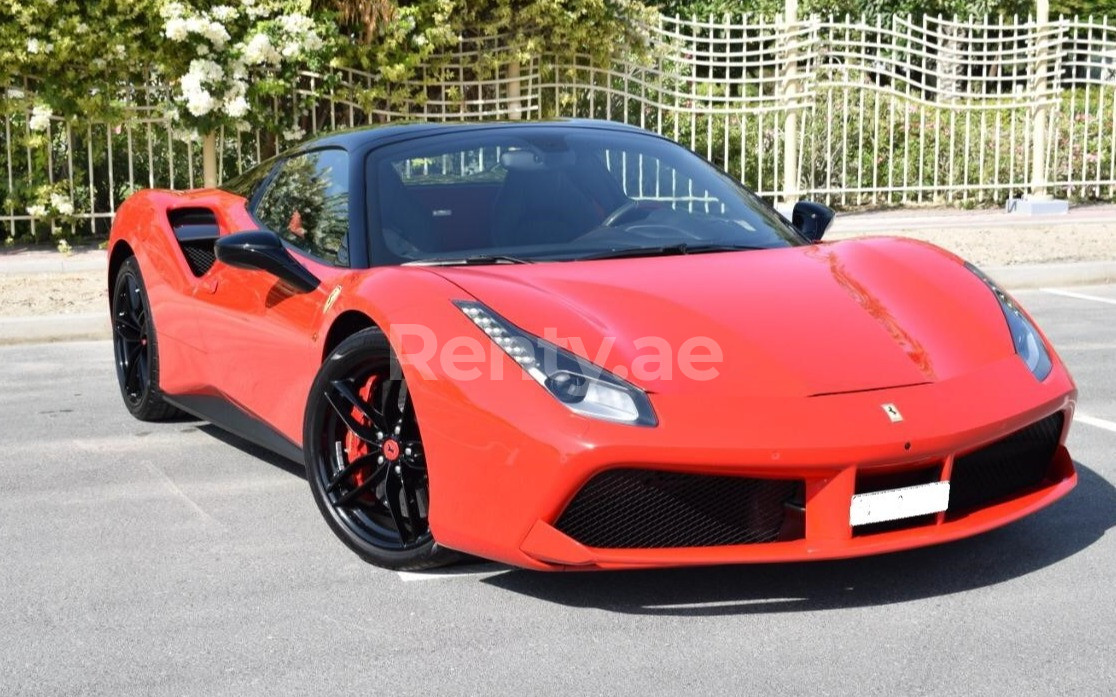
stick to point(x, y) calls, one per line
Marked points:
point(822, 319)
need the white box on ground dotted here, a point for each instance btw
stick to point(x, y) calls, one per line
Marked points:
point(894, 504)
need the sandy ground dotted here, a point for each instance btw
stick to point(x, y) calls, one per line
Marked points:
point(986, 239)
point(1004, 246)
point(52, 293)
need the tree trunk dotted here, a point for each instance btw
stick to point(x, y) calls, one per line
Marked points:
point(209, 161)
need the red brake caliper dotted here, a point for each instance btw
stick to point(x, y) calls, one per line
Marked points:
point(355, 447)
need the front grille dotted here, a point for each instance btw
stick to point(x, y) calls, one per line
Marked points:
point(1006, 468)
point(634, 508)
point(199, 256)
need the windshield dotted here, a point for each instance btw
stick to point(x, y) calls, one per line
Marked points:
point(507, 195)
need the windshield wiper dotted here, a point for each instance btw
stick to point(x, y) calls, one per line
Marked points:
point(667, 250)
point(475, 260)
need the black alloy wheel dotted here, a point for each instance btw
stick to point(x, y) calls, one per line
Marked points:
point(365, 459)
point(135, 347)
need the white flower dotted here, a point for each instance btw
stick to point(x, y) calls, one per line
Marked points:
point(33, 45)
point(61, 203)
point(215, 33)
point(296, 23)
point(236, 107)
point(172, 10)
point(291, 49)
point(223, 13)
point(294, 133)
point(40, 117)
point(202, 50)
point(312, 42)
point(176, 29)
point(206, 69)
point(16, 93)
point(36, 211)
point(199, 102)
point(259, 50)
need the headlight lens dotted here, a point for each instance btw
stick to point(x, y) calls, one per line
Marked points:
point(583, 386)
point(1028, 343)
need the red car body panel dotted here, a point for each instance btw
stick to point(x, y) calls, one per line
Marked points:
point(815, 340)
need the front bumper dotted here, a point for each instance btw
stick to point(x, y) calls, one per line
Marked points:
point(507, 460)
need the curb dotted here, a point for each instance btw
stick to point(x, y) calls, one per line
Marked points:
point(54, 263)
point(1077, 273)
point(50, 328)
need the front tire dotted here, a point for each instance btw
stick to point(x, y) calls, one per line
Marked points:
point(136, 348)
point(364, 457)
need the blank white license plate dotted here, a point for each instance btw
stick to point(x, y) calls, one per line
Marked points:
point(895, 504)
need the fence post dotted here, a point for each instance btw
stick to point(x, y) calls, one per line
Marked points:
point(515, 102)
point(790, 121)
point(1039, 200)
point(209, 160)
point(1038, 142)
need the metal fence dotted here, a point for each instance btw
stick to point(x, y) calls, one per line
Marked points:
point(851, 111)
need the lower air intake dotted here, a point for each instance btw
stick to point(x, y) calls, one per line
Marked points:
point(633, 508)
point(1007, 468)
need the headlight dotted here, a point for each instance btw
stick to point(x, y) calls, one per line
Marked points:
point(583, 386)
point(1028, 343)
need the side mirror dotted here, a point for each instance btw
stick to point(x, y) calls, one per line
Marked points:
point(811, 219)
point(263, 250)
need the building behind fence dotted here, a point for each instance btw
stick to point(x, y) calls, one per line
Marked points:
point(851, 111)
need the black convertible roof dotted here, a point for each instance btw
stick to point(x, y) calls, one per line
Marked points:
point(368, 136)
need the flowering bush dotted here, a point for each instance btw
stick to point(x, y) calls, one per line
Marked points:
point(76, 74)
point(224, 63)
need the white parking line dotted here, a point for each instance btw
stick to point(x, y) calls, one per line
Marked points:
point(1079, 296)
point(1094, 421)
point(476, 571)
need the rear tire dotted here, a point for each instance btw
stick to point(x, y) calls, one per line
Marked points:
point(136, 348)
point(364, 457)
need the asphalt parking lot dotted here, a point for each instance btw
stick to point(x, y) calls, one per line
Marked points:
point(174, 559)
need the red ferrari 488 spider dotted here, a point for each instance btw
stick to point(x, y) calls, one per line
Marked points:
point(578, 345)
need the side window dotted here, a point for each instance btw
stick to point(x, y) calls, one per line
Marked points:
point(307, 203)
point(249, 182)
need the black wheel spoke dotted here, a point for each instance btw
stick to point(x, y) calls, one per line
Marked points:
point(350, 497)
point(410, 495)
point(394, 485)
point(127, 329)
point(344, 400)
point(134, 300)
point(131, 372)
point(388, 397)
point(347, 470)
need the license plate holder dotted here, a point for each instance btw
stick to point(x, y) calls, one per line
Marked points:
point(897, 504)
